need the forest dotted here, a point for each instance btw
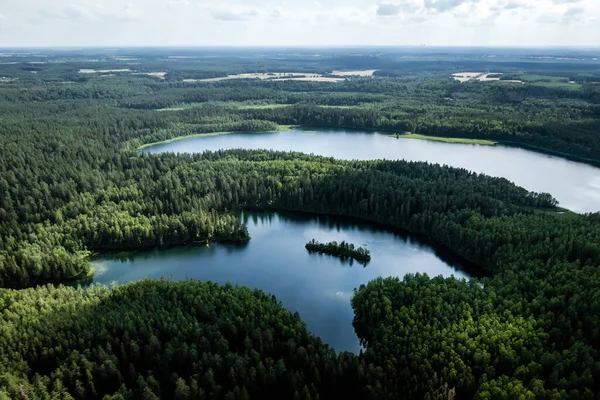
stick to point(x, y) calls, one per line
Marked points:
point(73, 184)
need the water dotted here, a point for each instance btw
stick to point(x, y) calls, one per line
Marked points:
point(575, 185)
point(318, 286)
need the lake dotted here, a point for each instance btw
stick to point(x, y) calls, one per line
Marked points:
point(575, 185)
point(318, 286)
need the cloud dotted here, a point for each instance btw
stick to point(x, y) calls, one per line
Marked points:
point(572, 12)
point(512, 6)
point(443, 5)
point(72, 12)
point(77, 12)
point(388, 9)
point(234, 13)
point(565, 1)
point(547, 19)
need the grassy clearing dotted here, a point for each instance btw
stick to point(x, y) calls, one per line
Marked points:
point(261, 107)
point(542, 78)
point(482, 142)
point(346, 107)
point(231, 104)
point(550, 81)
point(181, 107)
point(241, 106)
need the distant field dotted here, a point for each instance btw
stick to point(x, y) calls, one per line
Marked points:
point(261, 107)
point(277, 76)
point(481, 77)
point(230, 104)
point(345, 107)
point(243, 106)
point(550, 81)
point(364, 72)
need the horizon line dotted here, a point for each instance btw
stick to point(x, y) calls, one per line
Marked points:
point(301, 46)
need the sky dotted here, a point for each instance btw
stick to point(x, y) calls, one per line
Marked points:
point(299, 22)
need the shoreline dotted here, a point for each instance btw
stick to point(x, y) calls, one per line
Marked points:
point(281, 128)
point(479, 142)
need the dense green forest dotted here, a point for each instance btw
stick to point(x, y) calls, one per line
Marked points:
point(342, 249)
point(72, 184)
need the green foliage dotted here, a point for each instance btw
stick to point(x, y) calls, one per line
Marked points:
point(72, 183)
point(160, 339)
point(341, 249)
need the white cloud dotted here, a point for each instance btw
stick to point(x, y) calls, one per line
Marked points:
point(388, 9)
point(571, 12)
point(443, 5)
point(392, 9)
point(97, 12)
point(233, 13)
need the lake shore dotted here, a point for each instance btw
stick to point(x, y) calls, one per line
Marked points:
point(480, 142)
point(281, 128)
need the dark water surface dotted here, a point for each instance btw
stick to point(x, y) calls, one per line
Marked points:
point(575, 185)
point(318, 286)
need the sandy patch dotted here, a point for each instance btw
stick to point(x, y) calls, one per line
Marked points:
point(480, 76)
point(313, 79)
point(160, 75)
point(277, 76)
point(484, 78)
point(102, 71)
point(466, 76)
point(364, 72)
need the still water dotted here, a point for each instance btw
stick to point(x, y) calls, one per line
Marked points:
point(575, 185)
point(318, 286)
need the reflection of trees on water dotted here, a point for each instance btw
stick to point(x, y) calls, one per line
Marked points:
point(339, 223)
point(344, 261)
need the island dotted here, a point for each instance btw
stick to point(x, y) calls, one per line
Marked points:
point(342, 249)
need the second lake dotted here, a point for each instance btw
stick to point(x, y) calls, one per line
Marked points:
point(575, 185)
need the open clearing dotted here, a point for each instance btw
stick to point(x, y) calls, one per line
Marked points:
point(102, 71)
point(277, 76)
point(466, 76)
point(231, 104)
point(481, 76)
point(312, 79)
point(111, 72)
point(486, 78)
point(364, 72)
point(160, 75)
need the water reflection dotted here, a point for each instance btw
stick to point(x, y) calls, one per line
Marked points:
point(275, 260)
